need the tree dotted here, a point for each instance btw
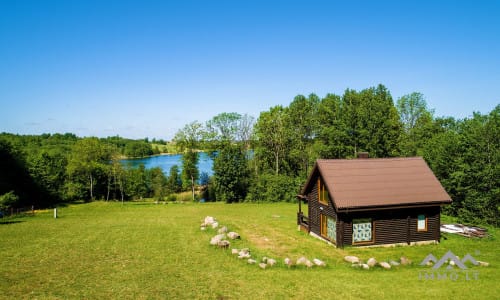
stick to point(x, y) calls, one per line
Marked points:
point(303, 126)
point(188, 140)
point(416, 120)
point(8, 201)
point(332, 133)
point(87, 162)
point(230, 174)
point(174, 181)
point(158, 183)
point(272, 139)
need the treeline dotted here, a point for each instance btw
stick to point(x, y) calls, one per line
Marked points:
point(268, 158)
point(286, 141)
point(42, 170)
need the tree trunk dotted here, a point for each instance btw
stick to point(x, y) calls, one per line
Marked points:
point(192, 185)
point(91, 187)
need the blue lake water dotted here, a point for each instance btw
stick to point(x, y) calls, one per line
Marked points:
point(165, 162)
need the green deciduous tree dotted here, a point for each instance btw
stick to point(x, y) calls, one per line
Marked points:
point(417, 120)
point(87, 163)
point(231, 174)
point(188, 140)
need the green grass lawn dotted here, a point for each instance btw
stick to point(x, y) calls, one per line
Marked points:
point(147, 251)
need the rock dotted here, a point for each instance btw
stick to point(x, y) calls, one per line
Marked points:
point(301, 261)
point(216, 239)
point(234, 251)
point(394, 263)
point(263, 265)
point(271, 262)
point(251, 261)
point(365, 266)
point(223, 229)
point(319, 263)
point(405, 261)
point(215, 224)
point(288, 262)
point(223, 244)
point(233, 235)
point(385, 265)
point(309, 264)
point(483, 263)
point(371, 262)
point(209, 220)
point(351, 259)
point(244, 253)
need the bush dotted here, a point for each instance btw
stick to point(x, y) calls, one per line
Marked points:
point(8, 200)
point(273, 188)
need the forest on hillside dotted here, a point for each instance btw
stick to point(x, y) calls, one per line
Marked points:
point(265, 159)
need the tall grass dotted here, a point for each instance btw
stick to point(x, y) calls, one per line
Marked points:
point(147, 251)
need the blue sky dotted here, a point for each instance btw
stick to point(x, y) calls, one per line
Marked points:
point(146, 68)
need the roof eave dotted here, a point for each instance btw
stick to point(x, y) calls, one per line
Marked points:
point(394, 206)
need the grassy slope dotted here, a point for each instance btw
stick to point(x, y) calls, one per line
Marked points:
point(138, 251)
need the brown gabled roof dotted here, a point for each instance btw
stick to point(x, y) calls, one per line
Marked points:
point(378, 182)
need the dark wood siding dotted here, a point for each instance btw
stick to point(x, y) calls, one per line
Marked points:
point(395, 226)
point(316, 208)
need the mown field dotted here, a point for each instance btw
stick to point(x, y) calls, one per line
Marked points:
point(147, 251)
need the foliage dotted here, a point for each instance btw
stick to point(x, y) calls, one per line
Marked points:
point(276, 153)
point(230, 174)
point(273, 188)
point(8, 200)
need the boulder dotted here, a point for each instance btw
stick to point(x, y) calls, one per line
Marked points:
point(351, 259)
point(319, 263)
point(223, 229)
point(209, 220)
point(271, 262)
point(309, 264)
point(483, 263)
point(371, 262)
point(365, 266)
point(385, 265)
point(233, 235)
point(263, 265)
point(394, 263)
point(223, 244)
point(301, 261)
point(216, 239)
point(244, 256)
point(405, 261)
point(251, 261)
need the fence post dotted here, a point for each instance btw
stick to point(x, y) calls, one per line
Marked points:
point(55, 213)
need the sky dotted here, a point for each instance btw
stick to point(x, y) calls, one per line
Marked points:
point(147, 68)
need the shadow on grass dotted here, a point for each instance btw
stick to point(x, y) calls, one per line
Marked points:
point(7, 222)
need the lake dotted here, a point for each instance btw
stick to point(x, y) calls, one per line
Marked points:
point(165, 162)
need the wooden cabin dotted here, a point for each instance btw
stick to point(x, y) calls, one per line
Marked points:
point(372, 201)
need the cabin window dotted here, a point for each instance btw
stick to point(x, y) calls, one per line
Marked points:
point(323, 197)
point(362, 231)
point(421, 223)
point(328, 228)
